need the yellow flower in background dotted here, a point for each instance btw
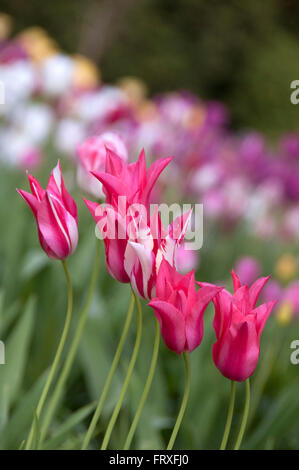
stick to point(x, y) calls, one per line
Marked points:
point(147, 111)
point(196, 117)
point(5, 26)
point(85, 74)
point(286, 267)
point(37, 43)
point(285, 313)
point(135, 89)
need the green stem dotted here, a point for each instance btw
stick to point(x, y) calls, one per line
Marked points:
point(127, 379)
point(183, 405)
point(245, 416)
point(147, 386)
point(229, 416)
point(57, 355)
point(73, 348)
point(114, 365)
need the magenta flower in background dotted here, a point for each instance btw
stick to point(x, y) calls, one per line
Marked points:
point(248, 269)
point(272, 290)
point(238, 325)
point(179, 308)
point(55, 212)
point(186, 260)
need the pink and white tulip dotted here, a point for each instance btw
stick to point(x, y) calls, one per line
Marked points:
point(148, 247)
point(55, 212)
point(126, 186)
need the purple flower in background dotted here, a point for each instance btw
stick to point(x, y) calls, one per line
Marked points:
point(272, 290)
point(248, 269)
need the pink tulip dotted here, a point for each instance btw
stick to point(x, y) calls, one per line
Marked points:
point(55, 212)
point(148, 247)
point(125, 187)
point(238, 325)
point(92, 157)
point(132, 181)
point(179, 308)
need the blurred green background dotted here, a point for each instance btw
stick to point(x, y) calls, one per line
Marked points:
point(242, 53)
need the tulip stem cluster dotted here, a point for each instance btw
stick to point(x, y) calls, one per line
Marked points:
point(73, 348)
point(127, 379)
point(229, 416)
point(147, 386)
point(56, 361)
point(245, 416)
point(183, 405)
point(114, 365)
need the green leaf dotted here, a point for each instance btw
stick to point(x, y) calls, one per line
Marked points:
point(16, 352)
point(21, 418)
point(73, 421)
point(36, 433)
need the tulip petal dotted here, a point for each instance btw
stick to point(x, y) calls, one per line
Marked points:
point(172, 325)
point(145, 258)
point(236, 353)
point(255, 290)
point(194, 320)
point(92, 207)
point(236, 281)
point(114, 164)
point(51, 219)
point(30, 199)
point(153, 174)
point(36, 188)
point(262, 314)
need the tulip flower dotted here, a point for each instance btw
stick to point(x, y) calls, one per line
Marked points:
point(92, 157)
point(55, 212)
point(132, 181)
point(238, 325)
point(179, 308)
point(125, 186)
point(151, 245)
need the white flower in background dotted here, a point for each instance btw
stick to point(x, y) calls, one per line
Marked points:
point(69, 133)
point(98, 104)
point(19, 80)
point(207, 176)
point(237, 195)
point(36, 120)
point(291, 222)
point(17, 149)
point(261, 201)
point(56, 74)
